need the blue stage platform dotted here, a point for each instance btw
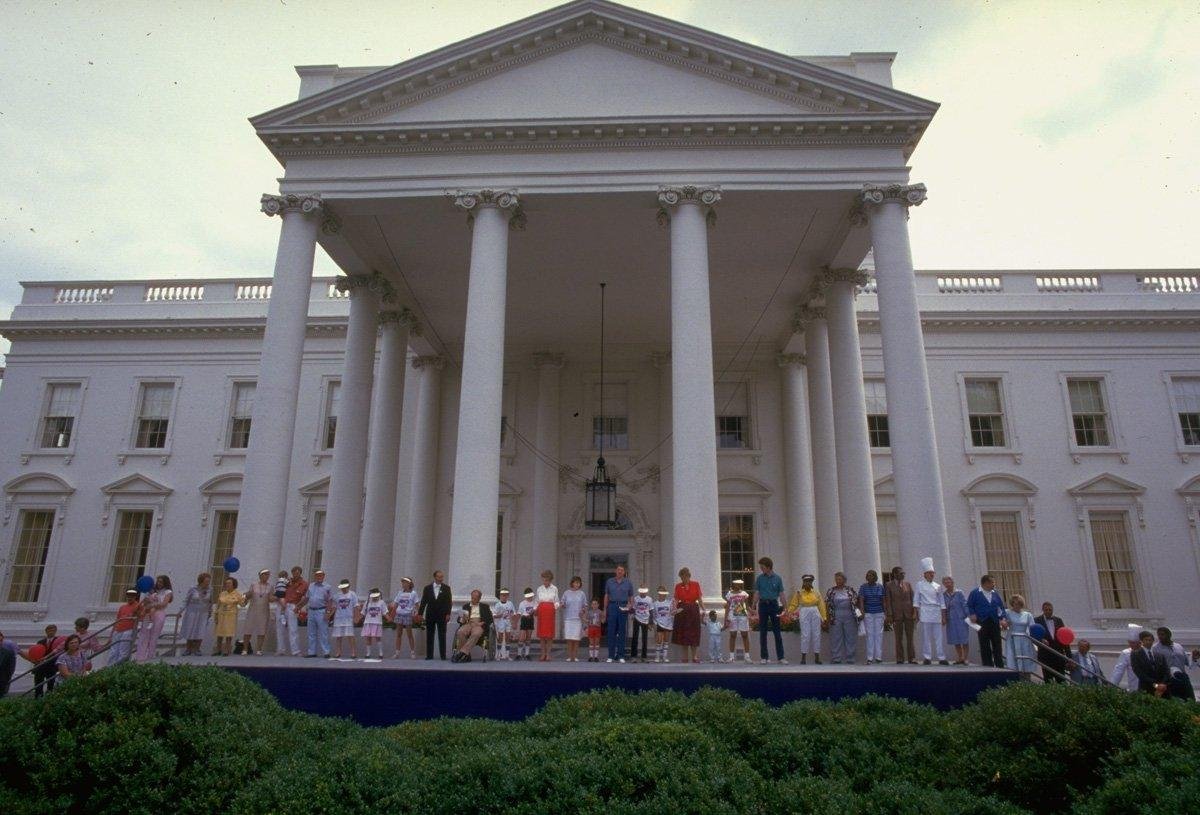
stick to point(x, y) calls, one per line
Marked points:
point(384, 693)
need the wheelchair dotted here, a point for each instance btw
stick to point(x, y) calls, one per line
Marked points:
point(486, 643)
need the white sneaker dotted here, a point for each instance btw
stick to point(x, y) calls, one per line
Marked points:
point(610, 660)
point(666, 659)
point(783, 662)
point(621, 660)
point(763, 661)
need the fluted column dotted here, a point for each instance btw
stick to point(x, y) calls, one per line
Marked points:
point(544, 553)
point(263, 506)
point(417, 524)
point(695, 530)
point(920, 510)
point(797, 452)
point(343, 521)
point(856, 486)
point(383, 462)
point(824, 447)
point(477, 457)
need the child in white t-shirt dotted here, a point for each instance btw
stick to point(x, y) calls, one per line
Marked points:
point(642, 606)
point(714, 627)
point(664, 624)
point(737, 619)
point(502, 614)
point(345, 602)
point(526, 610)
point(404, 606)
point(372, 629)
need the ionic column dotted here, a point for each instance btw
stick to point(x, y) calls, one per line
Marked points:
point(824, 448)
point(797, 460)
point(477, 457)
point(343, 521)
point(856, 487)
point(263, 506)
point(920, 510)
point(383, 462)
point(544, 551)
point(417, 525)
point(694, 526)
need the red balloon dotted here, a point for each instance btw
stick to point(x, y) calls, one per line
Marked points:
point(1065, 636)
point(37, 652)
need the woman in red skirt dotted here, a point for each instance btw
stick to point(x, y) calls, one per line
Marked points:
point(687, 621)
point(547, 601)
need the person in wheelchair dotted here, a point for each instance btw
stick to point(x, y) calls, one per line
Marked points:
point(474, 624)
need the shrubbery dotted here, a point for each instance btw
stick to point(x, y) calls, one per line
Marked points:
point(159, 739)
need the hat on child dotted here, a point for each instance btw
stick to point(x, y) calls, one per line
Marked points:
point(407, 580)
point(131, 592)
point(264, 571)
point(345, 584)
point(739, 582)
point(927, 564)
point(505, 591)
point(528, 592)
point(375, 593)
point(643, 589)
point(808, 578)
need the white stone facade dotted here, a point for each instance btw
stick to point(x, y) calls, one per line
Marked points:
point(1039, 424)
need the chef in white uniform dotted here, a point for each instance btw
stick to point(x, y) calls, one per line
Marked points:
point(929, 601)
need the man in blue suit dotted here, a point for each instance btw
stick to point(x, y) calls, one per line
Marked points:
point(987, 611)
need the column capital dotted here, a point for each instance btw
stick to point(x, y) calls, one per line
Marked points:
point(805, 315)
point(432, 361)
point(674, 195)
point(857, 278)
point(473, 200)
point(374, 283)
point(873, 195)
point(402, 317)
point(791, 360)
point(547, 359)
point(291, 202)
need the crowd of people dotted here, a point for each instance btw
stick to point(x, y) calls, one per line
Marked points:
point(937, 612)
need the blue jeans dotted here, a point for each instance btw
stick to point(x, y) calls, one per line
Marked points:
point(768, 615)
point(121, 649)
point(616, 632)
point(318, 632)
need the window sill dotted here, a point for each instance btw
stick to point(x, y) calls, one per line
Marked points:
point(321, 455)
point(740, 452)
point(1078, 453)
point(163, 455)
point(1186, 451)
point(1123, 616)
point(67, 454)
point(19, 612)
point(972, 453)
point(239, 453)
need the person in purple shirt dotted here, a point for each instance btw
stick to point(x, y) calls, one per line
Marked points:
point(987, 611)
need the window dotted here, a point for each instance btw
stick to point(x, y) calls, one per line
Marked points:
point(58, 425)
point(224, 533)
point(154, 415)
point(1114, 559)
point(877, 420)
point(889, 541)
point(737, 550)
point(610, 420)
point(1088, 414)
point(733, 416)
point(985, 415)
point(333, 400)
point(29, 555)
point(499, 553)
point(318, 539)
point(239, 415)
point(133, 545)
point(1186, 390)
point(1002, 552)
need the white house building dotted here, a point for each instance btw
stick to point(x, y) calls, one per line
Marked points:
point(778, 379)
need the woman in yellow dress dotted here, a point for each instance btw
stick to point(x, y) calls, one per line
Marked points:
point(228, 603)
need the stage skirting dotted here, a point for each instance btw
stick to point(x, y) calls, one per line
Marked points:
point(380, 694)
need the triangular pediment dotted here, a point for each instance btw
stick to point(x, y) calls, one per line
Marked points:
point(1191, 487)
point(137, 484)
point(1107, 484)
point(318, 487)
point(742, 485)
point(590, 60)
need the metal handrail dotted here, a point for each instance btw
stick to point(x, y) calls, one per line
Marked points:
point(1042, 644)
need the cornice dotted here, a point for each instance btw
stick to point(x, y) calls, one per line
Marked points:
point(1072, 321)
point(40, 329)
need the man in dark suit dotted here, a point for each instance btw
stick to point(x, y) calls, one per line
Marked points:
point(435, 609)
point(1051, 653)
point(1149, 668)
point(474, 621)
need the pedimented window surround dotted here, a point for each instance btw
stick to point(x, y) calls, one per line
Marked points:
point(1190, 492)
point(35, 491)
point(1004, 492)
point(133, 492)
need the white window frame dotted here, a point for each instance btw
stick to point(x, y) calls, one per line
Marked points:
point(106, 570)
point(742, 495)
point(749, 379)
point(33, 492)
point(314, 498)
point(1013, 444)
point(223, 448)
point(1190, 493)
point(222, 493)
point(590, 381)
point(33, 444)
point(1185, 451)
point(508, 508)
point(134, 493)
point(1004, 492)
point(882, 451)
point(320, 451)
point(162, 453)
point(1116, 440)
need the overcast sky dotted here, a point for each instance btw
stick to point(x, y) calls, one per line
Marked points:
point(1067, 137)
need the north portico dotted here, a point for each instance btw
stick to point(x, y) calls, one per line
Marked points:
point(476, 196)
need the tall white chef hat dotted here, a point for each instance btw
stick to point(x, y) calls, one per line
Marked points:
point(927, 564)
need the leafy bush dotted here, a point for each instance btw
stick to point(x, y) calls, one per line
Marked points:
point(159, 739)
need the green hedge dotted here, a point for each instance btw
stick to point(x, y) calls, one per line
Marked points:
point(158, 739)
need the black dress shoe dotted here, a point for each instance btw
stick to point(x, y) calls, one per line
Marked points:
point(926, 662)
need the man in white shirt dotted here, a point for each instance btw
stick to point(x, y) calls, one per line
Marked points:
point(1123, 672)
point(928, 601)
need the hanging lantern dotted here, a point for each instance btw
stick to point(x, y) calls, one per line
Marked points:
point(601, 492)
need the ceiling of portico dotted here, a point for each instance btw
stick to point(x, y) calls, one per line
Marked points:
point(763, 251)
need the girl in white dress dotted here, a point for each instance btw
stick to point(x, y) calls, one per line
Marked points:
point(502, 616)
point(404, 605)
point(574, 604)
point(664, 623)
point(345, 603)
point(372, 630)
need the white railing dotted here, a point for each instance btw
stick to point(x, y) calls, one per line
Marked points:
point(871, 287)
point(335, 294)
point(1169, 284)
point(969, 285)
point(1069, 284)
point(86, 294)
point(157, 293)
point(252, 291)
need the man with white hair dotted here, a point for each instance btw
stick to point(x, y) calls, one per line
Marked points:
point(1123, 672)
point(929, 602)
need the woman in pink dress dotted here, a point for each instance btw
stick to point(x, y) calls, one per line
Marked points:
point(687, 622)
point(154, 617)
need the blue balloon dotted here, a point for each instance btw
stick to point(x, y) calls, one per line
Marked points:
point(1038, 632)
point(145, 584)
point(232, 564)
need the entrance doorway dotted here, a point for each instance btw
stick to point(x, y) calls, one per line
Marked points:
point(601, 567)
